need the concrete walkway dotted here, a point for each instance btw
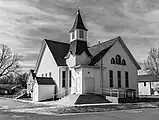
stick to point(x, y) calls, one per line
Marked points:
point(58, 103)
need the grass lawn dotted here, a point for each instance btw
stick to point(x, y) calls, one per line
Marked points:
point(103, 108)
point(97, 108)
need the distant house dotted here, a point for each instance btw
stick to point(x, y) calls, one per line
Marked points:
point(148, 85)
point(77, 68)
point(8, 88)
point(30, 82)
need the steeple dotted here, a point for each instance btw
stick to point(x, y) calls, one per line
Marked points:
point(78, 24)
point(78, 31)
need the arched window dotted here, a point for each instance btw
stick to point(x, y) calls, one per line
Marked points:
point(118, 59)
point(112, 61)
point(123, 62)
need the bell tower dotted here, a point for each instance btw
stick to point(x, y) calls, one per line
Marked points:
point(78, 31)
point(78, 53)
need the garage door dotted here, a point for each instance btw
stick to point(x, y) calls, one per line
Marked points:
point(89, 84)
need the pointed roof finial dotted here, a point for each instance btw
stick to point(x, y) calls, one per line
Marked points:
point(78, 9)
point(78, 24)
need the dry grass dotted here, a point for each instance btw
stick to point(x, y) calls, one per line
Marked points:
point(99, 108)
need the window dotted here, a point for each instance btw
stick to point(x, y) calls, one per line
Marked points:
point(45, 74)
point(63, 78)
point(118, 59)
point(112, 61)
point(42, 75)
point(123, 62)
point(81, 34)
point(119, 78)
point(49, 74)
point(111, 78)
point(144, 83)
point(126, 80)
point(70, 76)
point(73, 34)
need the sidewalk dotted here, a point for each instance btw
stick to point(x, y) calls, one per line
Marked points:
point(67, 105)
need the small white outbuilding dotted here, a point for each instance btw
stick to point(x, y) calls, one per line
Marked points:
point(44, 88)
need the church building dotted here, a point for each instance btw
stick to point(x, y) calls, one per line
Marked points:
point(106, 68)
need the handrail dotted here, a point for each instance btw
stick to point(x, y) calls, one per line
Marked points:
point(64, 91)
point(117, 93)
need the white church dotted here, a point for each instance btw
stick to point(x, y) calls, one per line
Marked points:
point(63, 69)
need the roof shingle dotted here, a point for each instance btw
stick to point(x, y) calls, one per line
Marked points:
point(45, 81)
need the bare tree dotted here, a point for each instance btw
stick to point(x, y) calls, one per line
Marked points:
point(151, 65)
point(9, 62)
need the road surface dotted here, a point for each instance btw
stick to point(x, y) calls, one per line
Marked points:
point(144, 114)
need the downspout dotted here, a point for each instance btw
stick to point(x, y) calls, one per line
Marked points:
point(101, 72)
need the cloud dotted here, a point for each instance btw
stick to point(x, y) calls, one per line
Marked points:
point(25, 23)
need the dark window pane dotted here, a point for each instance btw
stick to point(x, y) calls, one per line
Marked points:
point(119, 78)
point(81, 34)
point(70, 75)
point(126, 80)
point(111, 78)
point(49, 74)
point(112, 61)
point(123, 62)
point(63, 78)
point(118, 59)
point(144, 83)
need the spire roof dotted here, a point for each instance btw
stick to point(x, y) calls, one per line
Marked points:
point(78, 24)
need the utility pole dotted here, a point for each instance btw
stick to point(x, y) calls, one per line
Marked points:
point(101, 64)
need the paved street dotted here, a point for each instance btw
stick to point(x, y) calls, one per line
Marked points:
point(144, 114)
point(140, 114)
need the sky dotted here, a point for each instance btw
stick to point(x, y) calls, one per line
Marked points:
point(24, 24)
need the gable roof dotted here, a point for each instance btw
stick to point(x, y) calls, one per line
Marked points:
point(78, 24)
point(94, 50)
point(99, 56)
point(147, 78)
point(45, 81)
point(57, 49)
point(99, 50)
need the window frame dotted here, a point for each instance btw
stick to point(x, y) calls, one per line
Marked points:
point(144, 84)
point(123, 62)
point(118, 59)
point(112, 61)
point(73, 35)
point(49, 74)
point(81, 34)
point(45, 74)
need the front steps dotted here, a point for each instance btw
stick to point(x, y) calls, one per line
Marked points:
point(91, 99)
point(75, 99)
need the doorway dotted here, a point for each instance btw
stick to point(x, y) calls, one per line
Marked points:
point(89, 85)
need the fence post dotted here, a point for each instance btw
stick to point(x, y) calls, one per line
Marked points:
point(110, 92)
